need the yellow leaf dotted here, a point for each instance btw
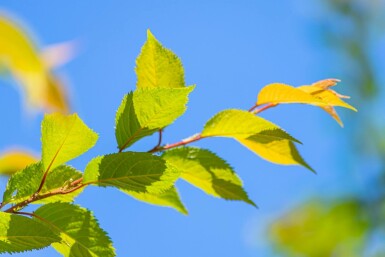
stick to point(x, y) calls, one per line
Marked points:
point(318, 94)
point(14, 160)
point(20, 56)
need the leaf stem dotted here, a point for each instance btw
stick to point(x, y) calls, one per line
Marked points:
point(256, 110)
point(159, 141)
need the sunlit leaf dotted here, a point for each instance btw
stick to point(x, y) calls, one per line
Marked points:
point(147, 110)
point(169, 198)
point(23, 184)
point(208, 172)
point(79, 230)
point(158, 67)
point(20, 234)
point(15, 160)
point(319, 229)
point(279, 151)
point(138, 172)
point(318, 94)
point(64, 137)
point(241, 124)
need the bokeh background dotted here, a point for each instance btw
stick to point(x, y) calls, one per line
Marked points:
point(230, 50)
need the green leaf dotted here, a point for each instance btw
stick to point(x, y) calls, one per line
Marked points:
point(169, 198)
point(208, 172)
point(64, 137)
point(79, 230)
point(25, 183)
point(241, 124)
point(158, 67)
point(276, 150)
point(138, 172)
point(19, 234)
point(147, 110)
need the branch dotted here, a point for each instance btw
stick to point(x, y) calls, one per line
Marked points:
point(75, 185)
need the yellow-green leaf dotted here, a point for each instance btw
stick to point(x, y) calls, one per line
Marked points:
point(241, 124)
point(279, 151)
point(158, 66)
point(64, 137)
point(208, 172)
point(169, 198)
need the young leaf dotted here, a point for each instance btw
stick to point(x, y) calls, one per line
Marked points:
point(24, 183)
point(208, 172)
point(21, 57)
point(147, 110)
point(64, 137)
point(158, 67)
point(169, 198)
point(279, 151)
point(19, 234)
point(79, 230)
point(317, 94)
point(15, 160)
point(241, 124)
point(138, 172)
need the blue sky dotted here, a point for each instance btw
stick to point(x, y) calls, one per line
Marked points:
point(230, 50)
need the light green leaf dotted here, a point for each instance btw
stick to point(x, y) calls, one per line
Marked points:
point(64, 137)
point(79, 230)
point(279, 151)
point(241, 124)
point(19, 234)
point(169, 198)
point(147, 110)
point(138, 172)
point(208, 172)
point(25, 183)
point(158, 67)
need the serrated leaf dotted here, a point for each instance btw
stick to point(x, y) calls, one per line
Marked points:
point(132, 171)
point(19, 234)
point(241, 124)
point(15, 160)
point(64, 137)
point(208, 172)
point(79, 230)
point(158, 67)
point(25, 183)
point(20, 56)
point(147, 110)
point(169, 198)
point(279, 151)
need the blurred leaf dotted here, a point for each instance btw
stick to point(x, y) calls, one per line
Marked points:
point(22, 59)
point(318, 229)
point(15, 160)
point(25, 183)
point(131, 171)
point(79, 230)
point(169, 198)
point(208, 172)
point(158, 67)
point(20, 234)
point(276, 150)
point(147, 110)
point(64, 137)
